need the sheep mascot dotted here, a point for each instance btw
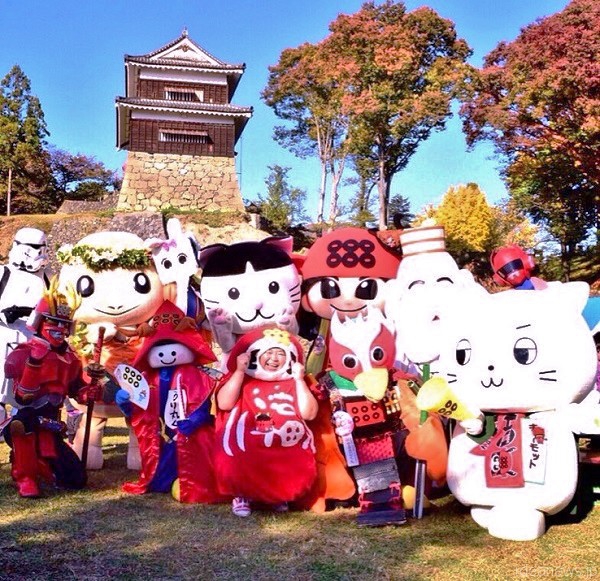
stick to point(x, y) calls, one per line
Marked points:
point(120, 289)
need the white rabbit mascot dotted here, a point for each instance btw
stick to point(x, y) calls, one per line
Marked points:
point(520, 363)
point(176, 261)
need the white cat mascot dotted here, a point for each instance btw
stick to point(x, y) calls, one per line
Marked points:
point(120, 289)
point(249, 285)
point(521, 361)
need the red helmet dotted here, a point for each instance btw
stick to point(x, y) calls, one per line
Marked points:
point(511, 265)
point(57, 307)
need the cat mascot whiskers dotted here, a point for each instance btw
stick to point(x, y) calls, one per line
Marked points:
point(247, 286)
point(520, 362)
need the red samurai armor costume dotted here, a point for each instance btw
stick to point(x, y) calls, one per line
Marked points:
point(176, 431)
point(44, 370)
point(374, 418)
point(265, 449)
point(345, 271)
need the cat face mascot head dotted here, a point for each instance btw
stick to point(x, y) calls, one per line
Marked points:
point(249, 285)
point(525, 359)
point(521, 351)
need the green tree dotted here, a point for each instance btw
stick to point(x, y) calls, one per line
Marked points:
point(361, 212)
point(399, 214)
point(537, 100)
point(25, 178)
point(283, 206)
point(398, 72)
point(510, 225)
point(361, 205)
point(558, 198)
point(80, 177)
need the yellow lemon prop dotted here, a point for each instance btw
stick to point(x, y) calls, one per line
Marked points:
point(435, 396)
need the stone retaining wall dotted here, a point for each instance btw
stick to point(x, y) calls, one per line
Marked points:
point(75, 206)
point(157, 181)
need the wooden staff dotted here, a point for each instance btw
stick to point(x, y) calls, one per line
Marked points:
point(91, 398)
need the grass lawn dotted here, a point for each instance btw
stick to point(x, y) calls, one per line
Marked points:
point(101, 533)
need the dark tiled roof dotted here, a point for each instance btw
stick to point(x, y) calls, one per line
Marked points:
point(145, 60)
point(185, 105)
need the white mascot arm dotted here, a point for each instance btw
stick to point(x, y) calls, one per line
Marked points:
point(221, 324)
point(287, 321)
point(92, 333)
point(582, 419)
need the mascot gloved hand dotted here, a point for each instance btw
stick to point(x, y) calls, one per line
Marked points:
point(123, 400)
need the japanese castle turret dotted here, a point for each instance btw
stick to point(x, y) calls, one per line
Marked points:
point(180, 129)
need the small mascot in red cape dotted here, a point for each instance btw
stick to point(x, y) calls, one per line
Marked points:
point(44, 370)
point(265, 450)
point(175, 431)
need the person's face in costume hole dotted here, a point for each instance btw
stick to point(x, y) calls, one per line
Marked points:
point(272, 359)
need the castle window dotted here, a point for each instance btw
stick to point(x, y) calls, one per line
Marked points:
point(200, 137)
point(181, 94)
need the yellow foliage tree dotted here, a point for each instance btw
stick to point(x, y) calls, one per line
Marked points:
point(467, 218)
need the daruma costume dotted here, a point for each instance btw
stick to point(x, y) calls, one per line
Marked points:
point(265, 449)
point(176, 431)
point(520, 362)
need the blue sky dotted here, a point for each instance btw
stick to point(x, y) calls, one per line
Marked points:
point(72, 51)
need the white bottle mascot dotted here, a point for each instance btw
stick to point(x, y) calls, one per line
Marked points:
point(520, 363)
point(120, 289)
point(418, 298)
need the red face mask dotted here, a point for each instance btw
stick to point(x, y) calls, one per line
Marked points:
point(55, 332)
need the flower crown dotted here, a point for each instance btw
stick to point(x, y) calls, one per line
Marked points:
point(97, 258)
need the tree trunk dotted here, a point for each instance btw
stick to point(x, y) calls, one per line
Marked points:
point(383, 188)
point(322, 187)
point(565, 260)
point(9, 191)
point(335, 182)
